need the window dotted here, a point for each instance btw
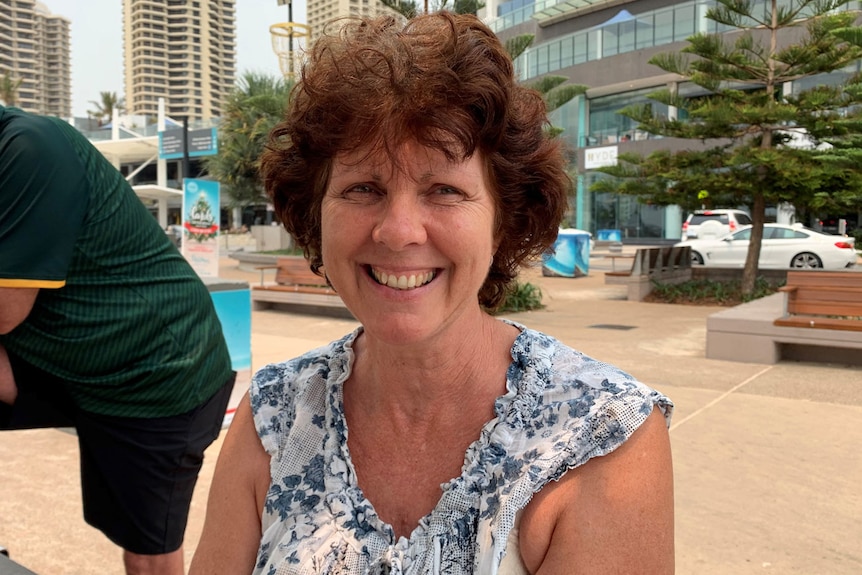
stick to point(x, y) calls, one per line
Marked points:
point(663, 27)
point(593, 46)
point(567, 52)
point(627, 36)
point(697, 219)
point(580, 45)
point(683, 22)
point(608, 126)
point(610, 40)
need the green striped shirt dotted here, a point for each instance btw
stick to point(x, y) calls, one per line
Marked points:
point(120, 314)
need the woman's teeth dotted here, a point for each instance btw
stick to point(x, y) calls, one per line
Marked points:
point(404, 281)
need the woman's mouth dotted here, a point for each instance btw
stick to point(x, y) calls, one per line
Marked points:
point(402, 281)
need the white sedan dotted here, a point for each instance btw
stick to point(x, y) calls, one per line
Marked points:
point(783, 247)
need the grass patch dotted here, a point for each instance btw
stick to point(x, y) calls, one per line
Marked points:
point(708, 292)
point(521, 297)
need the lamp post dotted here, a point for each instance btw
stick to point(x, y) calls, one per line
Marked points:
point(283, 36)
point(289, 33)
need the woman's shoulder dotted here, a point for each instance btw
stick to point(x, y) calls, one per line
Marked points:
point(563, 396)
point(278, 389)
point(295, 372)
point(552, 368)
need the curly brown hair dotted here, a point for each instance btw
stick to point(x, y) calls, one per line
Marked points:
point(444, 81)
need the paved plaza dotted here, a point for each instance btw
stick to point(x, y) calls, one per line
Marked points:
point(767, 459)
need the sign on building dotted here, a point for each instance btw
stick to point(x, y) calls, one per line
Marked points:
point(202, 142)
point(600, 157)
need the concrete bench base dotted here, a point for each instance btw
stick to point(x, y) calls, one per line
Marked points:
point(746, 333)
point(285, 297)
point(667, 265)
point(640, 286)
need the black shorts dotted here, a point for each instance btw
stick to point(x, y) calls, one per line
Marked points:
point(137, 474)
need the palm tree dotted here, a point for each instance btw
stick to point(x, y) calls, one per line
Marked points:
point(105, 107)
point(9, 89)
point(252, 110)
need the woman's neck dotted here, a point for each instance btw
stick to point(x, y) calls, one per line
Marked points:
point(418, 383)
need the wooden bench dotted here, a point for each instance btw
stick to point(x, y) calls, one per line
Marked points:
point(296, 285)
point(815, 317)
point(822, 300)
point(668, 264)
point(615, 257)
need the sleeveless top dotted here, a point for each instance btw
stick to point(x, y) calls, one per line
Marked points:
point(561, 409)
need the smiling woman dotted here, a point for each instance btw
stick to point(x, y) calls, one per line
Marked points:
point(435, 438)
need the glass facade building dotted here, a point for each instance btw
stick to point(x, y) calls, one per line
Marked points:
point(608, 49)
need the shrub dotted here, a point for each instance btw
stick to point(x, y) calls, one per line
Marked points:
point(707, 291)
point(522, 297)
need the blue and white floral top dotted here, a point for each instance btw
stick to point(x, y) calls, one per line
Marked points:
point(561, 409)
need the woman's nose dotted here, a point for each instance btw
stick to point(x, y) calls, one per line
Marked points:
point(401, 222)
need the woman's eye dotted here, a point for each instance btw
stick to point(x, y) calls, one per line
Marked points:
point(360, 191)
point(448, 193)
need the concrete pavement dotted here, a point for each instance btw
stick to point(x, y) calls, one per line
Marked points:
point(767, 459)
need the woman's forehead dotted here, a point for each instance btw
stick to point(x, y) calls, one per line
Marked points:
point(403, 156)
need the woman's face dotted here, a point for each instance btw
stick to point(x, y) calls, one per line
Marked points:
point(408, 249)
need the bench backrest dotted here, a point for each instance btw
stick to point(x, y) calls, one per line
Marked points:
point(296, 271)
point(836, 293)
point(650, 261)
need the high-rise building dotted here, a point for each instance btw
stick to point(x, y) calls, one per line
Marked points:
point(319, 12)
point(181, 50)
point(34, 54)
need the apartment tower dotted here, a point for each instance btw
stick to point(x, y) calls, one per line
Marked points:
point(34, 50)
point(181, 50)
point(319, 12)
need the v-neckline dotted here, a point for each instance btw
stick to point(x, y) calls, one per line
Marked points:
point(337, 421)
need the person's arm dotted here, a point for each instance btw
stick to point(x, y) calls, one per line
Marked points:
point(232, 531)
point(8, 389)
point(15, 306)
point(613, 515)
point(44, 195)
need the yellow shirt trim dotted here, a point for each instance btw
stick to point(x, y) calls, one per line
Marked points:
point(41, 284)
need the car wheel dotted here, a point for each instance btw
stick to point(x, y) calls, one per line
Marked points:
point(806, 260)
point(696, 258)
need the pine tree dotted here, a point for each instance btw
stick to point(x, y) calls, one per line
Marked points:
point(744, 129)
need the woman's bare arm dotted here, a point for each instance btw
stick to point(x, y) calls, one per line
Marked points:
point(231, 533)
point(613, 515)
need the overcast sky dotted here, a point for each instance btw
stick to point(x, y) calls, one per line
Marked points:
point(97, 43)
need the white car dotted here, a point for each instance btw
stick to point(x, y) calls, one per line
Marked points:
point(783, 247)
point(713, 223)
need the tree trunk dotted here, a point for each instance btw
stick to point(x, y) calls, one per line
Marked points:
point(758, 217)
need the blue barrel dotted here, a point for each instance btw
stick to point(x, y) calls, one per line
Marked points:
point(570, 255)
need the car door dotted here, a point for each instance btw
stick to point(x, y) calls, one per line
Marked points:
point(772, 247)
point(731, 250)
point(784, 244)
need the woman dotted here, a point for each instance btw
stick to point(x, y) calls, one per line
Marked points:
point(414, 169)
